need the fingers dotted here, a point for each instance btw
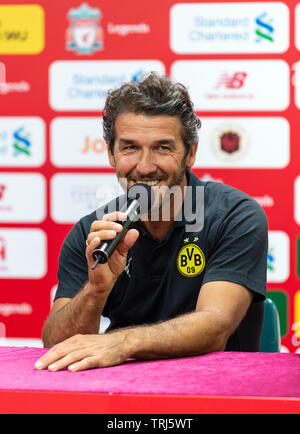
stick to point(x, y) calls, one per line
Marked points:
point(115, 216)
point(108, 221)
point(81, 352)
point(71, 354)
point(105, 229)
point(102, 231)
point(128, 241)
point(74, 361)
point(86, 363)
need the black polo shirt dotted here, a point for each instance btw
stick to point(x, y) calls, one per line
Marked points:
point(162, 279)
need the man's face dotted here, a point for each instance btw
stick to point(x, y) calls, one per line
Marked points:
point(150, 149)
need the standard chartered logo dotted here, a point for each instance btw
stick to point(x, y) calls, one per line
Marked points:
point(264, 29)
point(21, 142)
point(248, 27)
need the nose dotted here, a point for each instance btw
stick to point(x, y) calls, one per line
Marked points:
point(146, 163)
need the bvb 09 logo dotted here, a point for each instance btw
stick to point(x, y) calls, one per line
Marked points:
point(190, 260)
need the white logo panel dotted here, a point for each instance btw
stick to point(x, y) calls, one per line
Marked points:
point(22, 142)
point(249, 142)
point(230, 85)
point(278, 266)
point(296, 82)
point(78, 142)
point(248, 27)
point(297, 200)
point(297, 26)
point(76, 195)
point(22, 198)
point(83, 85)
point(22, 254)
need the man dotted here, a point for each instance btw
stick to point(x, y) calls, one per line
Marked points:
point(168, 291)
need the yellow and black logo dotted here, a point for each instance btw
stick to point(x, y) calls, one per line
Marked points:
point(190, 260)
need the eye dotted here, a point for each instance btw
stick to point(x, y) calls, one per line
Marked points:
point(163, 148)
point(129, 148)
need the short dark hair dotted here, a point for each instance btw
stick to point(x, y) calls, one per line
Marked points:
point(153, 95)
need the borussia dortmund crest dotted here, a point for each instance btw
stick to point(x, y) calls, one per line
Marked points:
point(190, 260)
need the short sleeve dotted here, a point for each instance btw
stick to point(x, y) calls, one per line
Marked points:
point(72, 268)
point(240, 252)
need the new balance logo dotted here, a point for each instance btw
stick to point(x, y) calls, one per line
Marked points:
point(232, 81)
point(2, 190)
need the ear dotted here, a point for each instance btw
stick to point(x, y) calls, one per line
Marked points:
point(191, 156)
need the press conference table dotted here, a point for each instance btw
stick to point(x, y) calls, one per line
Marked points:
point(221, 382)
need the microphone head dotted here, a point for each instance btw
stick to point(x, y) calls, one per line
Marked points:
point(144, 194)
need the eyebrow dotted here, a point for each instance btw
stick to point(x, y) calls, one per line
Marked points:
point(170, 142)
point(126, 141)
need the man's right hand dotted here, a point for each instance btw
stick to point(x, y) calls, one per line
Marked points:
point(103, 278)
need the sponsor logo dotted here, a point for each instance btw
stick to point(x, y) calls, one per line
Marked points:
point(297, 200)
point(235, 85)
point(230, 142)
point(297, 26)
point(265, 201)
point(127, 29)
point(31, 186)
point(232, 81)
point(296, 325)
point(87, 194)
point(190, 260)
point(229, 28)
point(278, 259)
point(22, 29)
point(22, 141)
point(8, 309)
point(18, 342)
point(80, 86)
point(84, 34)
point(78, 142)
point(21, 144)
point(3, 208)
point(270, 259)
point(128, 267)
point(244, 142)
point(2, 190)
point(27, 244)
point(2, 249)
point(296, 80)
point(264, 30)
point(75, 195)
point(8, 87)
point(97, 146)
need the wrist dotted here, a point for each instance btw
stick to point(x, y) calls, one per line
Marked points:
point(95, 294)
point(137, 340)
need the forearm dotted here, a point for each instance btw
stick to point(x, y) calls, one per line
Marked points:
point(80, 315)
point(188, 335)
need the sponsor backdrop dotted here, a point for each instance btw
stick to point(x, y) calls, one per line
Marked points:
point(241, 63)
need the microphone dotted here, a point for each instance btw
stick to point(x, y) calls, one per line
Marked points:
point(140, 198)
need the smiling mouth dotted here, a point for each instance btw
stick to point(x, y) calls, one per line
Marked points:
point(151, 183)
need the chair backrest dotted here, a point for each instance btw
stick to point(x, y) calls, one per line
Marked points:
point(270, 336)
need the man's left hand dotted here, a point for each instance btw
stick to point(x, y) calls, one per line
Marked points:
point(85, 352)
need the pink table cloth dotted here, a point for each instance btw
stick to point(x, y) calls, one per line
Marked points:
point(220, 373)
